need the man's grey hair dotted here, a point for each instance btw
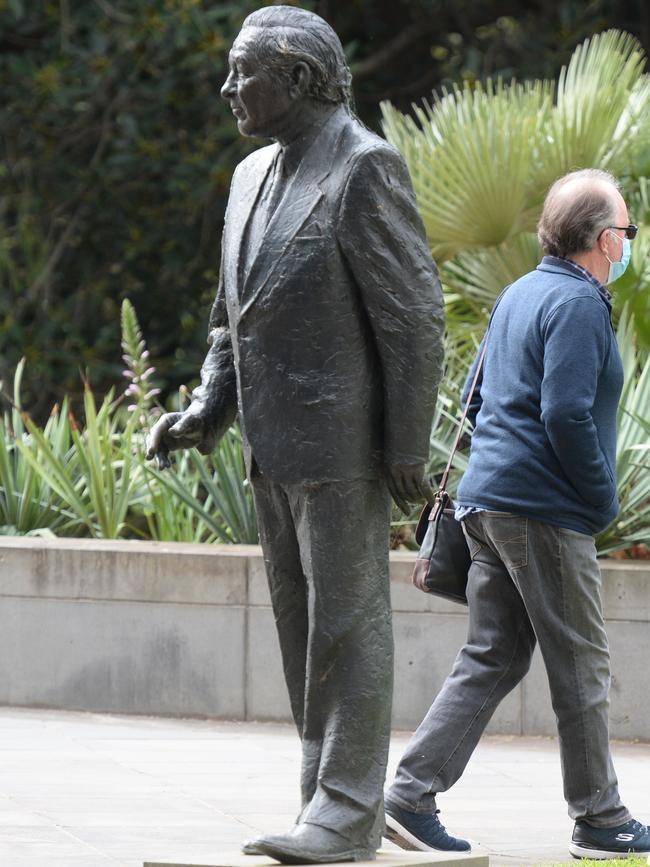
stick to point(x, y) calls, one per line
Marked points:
point(573, 218)
point(294, 35)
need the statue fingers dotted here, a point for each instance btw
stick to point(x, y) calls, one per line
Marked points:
point(397, 495)
point(163, 461)
point(158, 432)
point(188, 425)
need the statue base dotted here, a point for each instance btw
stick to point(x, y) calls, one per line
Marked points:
point(385, 858)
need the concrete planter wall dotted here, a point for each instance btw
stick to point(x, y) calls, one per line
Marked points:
point(156, 628)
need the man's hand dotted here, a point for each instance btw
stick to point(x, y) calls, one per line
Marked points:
point(407, 484)
point(177, 430)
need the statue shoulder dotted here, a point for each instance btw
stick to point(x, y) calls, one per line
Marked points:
point(372, 160)
point(366, 148)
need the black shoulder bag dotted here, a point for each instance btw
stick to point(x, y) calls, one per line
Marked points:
point(444, 560)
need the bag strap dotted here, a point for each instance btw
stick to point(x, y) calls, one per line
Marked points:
point(442, 488)
point(441, 495)
point(461, 424)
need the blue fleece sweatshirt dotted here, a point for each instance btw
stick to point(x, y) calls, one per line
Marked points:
point(544, 443)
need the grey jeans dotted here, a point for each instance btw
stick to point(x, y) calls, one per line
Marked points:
point(326, 555)
point(528, 581)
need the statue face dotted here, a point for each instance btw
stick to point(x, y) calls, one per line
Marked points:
point(259, 99)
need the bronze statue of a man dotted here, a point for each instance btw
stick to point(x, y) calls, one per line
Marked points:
point(326, 339)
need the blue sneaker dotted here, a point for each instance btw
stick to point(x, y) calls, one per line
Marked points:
point(421, 832)
point(623, 841)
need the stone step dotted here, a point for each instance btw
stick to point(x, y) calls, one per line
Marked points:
point(385, 858)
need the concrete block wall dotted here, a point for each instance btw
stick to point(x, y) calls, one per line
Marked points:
point(187, 630)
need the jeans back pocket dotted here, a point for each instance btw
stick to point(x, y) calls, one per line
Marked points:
point(508, 534)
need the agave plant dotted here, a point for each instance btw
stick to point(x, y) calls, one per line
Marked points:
point(28, 503)
point(94, 475)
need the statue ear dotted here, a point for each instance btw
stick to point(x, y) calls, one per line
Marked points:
point(300, 79)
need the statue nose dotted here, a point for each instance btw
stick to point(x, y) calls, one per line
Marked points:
point(228, 88)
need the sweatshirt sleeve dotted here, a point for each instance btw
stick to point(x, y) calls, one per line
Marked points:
point(576, 342)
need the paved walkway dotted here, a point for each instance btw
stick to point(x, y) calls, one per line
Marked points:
point(94, 790)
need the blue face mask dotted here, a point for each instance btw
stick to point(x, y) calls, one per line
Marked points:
point(617, 269)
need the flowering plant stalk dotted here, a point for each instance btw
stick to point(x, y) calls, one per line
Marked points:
point(141, 390)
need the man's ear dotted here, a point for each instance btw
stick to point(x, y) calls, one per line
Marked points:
point(607, 244)
point(300, 79)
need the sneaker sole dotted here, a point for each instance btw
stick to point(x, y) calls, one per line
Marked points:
point(398, 834)
point(579, 851)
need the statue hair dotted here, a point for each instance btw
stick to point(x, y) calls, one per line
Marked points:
point(293, 35)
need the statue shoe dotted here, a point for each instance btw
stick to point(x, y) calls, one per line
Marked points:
point(249, 847)
point(311, 844)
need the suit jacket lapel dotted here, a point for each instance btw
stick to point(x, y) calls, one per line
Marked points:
point(301, 196)
point(243, 197)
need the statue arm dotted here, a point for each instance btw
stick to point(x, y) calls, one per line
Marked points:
point(214, 402)
point(383, 239)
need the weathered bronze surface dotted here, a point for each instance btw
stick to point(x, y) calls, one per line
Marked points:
point(326, 340)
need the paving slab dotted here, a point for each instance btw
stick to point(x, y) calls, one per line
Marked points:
point(99, 790)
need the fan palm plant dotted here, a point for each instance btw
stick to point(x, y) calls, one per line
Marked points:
point(469, 155)
point(482, 158)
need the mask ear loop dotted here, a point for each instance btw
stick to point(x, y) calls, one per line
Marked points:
point(616, 236)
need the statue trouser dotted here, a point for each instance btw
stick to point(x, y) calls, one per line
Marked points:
point(326, 553)
point(527, 579)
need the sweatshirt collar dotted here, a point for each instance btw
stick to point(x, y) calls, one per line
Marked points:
point(571, 267)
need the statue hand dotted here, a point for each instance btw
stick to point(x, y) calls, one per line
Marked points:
point(177, 430)
point(407, 483)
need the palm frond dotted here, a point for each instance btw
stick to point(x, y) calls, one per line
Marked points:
point(601, 108)
point(470, 158)
point(480, 275)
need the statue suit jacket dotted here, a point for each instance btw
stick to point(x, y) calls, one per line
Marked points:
point(329, 342)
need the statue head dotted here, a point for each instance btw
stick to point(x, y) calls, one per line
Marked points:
point(285, 64)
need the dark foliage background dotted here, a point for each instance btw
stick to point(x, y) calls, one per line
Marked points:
point(116, 152)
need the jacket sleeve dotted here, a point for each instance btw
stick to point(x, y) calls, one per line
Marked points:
point(576, 342)
point(382, 238)
point(215, 399)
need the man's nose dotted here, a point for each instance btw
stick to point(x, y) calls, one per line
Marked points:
point(228, 88)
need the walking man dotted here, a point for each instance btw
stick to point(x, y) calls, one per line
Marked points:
point(541, 481)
